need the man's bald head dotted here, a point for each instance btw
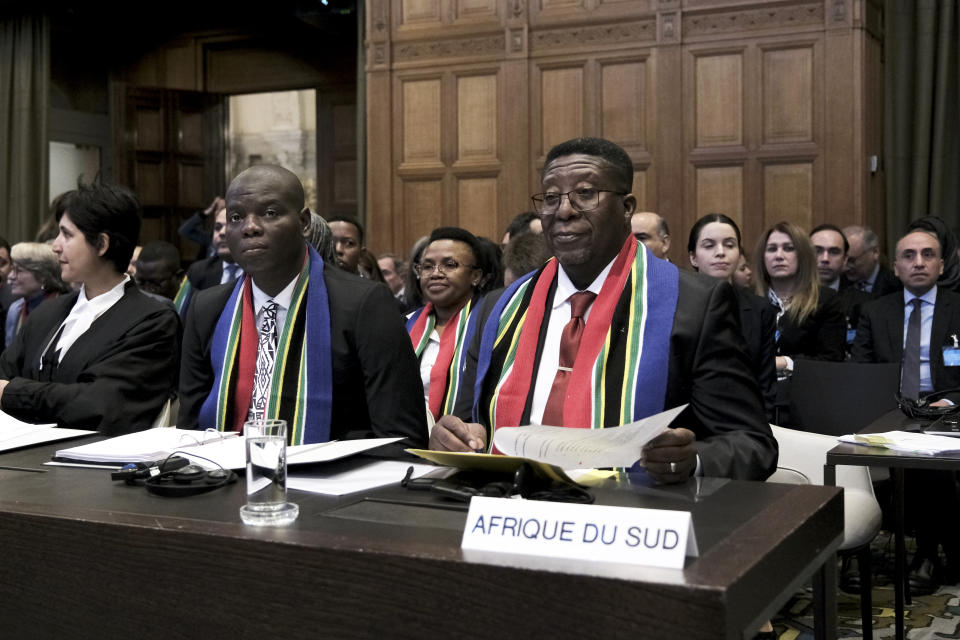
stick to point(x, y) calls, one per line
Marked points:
point(282, 180)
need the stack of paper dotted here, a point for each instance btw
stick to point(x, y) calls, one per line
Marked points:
point(906, 441)
point(15, 433)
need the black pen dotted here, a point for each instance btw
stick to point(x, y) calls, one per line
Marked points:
point(6, 468)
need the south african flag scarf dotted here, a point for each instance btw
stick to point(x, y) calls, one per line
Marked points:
point(301, 388)
point(620, 373)
point(457, 334)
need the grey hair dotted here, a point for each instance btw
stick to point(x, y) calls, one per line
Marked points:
point(39, 259)
point(319, 235)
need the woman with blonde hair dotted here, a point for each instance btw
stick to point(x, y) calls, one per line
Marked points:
point(34, 277)
point(810, 321)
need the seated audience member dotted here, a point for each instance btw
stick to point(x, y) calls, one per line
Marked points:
point(524, 254)
point(295, 339)
point(158, 270)
point(950, 278)
point(490, 261)
point(219, 268)
point(104, 357)
point(35, 277)
point(864, 269)
point(743, 274)
point(714, 250)
point(651, 230)
point(392, 269)
point(831, 248)
point(810, 322)
point(450, 280)
point(6, 297)
point(195, 228)
point(526, 222)
point(536, 355)
point(411, 279)
point(368, 266)
point(347, 241)
point(320, 237)
point(915, 327)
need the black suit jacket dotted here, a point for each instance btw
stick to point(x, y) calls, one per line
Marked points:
point(205, 273)
point(758, 320)
point(376, 379)
point(821, 336)
point(886, 283)
point(708, 368)
point(116, 376)
point(880, 334)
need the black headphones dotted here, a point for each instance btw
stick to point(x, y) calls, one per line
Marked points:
point(921, 408)
point(175, 477)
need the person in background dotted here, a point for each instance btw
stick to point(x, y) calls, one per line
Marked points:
point(490, 259)
point(523, 254)
point(348, 241)
point(526, 222)
point(196, 229)
point(714, 250)
point(104, 357)
point(450, 277)
point(864, 269)
point(950, 279)
point(158, 270)
point(34, 278)
point(810, 322)
point(651, 230)
point(392, 269)
point(369, 269)
point(743, 275)
point(6, 297)
point(320, 237)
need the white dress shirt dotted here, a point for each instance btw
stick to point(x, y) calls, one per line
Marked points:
point(84, 312)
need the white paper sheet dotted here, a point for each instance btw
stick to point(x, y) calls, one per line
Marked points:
point(583, 448)
point(15, 433)
point(376, 473)
point(905, 441)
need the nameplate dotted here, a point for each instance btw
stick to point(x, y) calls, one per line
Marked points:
point(651, 537)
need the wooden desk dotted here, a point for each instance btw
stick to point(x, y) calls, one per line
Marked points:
point(85, 557)
point(897, 462)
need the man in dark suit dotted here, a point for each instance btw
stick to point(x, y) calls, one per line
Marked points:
point(693, 350)
point(918, 328)
point(344, 335)
point(864, 270)
point(219, 268)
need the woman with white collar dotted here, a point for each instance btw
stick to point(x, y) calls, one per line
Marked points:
point(104, 357)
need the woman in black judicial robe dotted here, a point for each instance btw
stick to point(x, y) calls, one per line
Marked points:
point(106, 356)
point(714, 248)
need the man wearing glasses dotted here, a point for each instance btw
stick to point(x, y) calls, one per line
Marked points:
point(863, 269)
point(603, 335)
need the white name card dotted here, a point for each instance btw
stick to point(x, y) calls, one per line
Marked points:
point(651, 537)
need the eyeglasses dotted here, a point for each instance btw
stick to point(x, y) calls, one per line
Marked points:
point(447, 266)
point(581, 200)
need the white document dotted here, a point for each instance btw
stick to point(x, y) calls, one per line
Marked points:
point(376, 473)
point(584, 448)
point(906, 441)
point(209, 449)
point(15, 433)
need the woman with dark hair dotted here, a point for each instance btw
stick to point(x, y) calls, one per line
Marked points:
point(450, 279)
point(714, 247)
point(810, 320)
point(34, 277)
point(104, 357)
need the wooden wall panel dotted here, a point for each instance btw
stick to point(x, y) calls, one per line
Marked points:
point(420, 12)
point(719, 100)
point(788, 194)
point(787, 95)
point(421, 122)
point(345, 183)
point(623, 113)
point(422, 208)
point(640, 190)
point(344, 127)
point(149, 128)
point(720, 190)
point(477, 119)
point(149, 181)
point(476, 198)
point(475, 10)
point(191, 183)
point(561, 105)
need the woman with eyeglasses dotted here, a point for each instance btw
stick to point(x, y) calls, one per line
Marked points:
point(810, 320)
point(106, 356)
point(34, 278)
point(449, 274)
point(714, 250)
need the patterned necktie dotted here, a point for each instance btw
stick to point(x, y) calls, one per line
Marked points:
point(266, 355)
point(910, 371)
point(569, 344)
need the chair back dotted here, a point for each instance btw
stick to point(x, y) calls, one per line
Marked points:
point(836, 398)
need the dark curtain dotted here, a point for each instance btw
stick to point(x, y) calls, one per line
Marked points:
point(921, 112)
point(24, 97)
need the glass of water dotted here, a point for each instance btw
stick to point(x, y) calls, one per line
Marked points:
point(266, 443)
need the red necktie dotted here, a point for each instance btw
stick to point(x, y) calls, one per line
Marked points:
point(569, 344)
